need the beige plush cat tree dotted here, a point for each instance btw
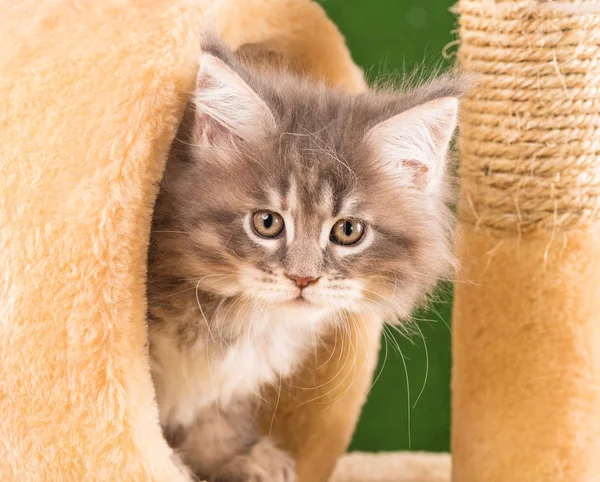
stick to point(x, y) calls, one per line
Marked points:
point(90, 96)
point(526, 327)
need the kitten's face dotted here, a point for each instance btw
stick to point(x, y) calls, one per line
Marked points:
point(303, 249)
point(291, 196)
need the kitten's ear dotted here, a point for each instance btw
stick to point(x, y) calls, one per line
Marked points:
point(226, 105)
point(413, 145)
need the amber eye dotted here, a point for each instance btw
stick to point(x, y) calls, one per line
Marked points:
point(267, 224)
point(347, 232)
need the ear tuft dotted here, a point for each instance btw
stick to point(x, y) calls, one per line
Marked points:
point(226, 105)
point(413, 145)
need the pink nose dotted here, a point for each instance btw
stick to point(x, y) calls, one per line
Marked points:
point(302, 281)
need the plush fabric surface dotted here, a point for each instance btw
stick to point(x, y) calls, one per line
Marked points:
point(526, 321)
point(393, 467)
point(526, 357)
point(90, 96)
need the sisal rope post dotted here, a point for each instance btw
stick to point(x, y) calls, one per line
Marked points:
point(526, 325)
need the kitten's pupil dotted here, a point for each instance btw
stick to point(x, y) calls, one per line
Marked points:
point(267, 220)
point(348, 228)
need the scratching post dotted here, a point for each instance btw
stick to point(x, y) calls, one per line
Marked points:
point(526, 376)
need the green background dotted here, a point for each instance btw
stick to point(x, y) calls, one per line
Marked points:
point(396, 36)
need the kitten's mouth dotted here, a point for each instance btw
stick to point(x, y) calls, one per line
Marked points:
point(300, 301)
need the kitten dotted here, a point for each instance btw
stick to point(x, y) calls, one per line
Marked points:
point(284, 204)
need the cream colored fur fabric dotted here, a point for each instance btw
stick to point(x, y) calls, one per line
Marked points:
point(91, 93)
point(393, 467)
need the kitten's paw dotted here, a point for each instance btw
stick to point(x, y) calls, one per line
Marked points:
point(264, 463)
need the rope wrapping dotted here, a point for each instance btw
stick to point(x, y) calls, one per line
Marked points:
point(530, 128)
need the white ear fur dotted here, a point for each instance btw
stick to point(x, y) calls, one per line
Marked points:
point(413, 145)
point(224, 98)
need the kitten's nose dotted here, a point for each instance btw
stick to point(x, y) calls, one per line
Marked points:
point(302, 281)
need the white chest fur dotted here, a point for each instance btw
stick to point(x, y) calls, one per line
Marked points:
point(265, 347)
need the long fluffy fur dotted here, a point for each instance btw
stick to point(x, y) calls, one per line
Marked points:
point(222, 325)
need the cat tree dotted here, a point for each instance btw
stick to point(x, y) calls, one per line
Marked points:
point(526, 325)
point(90, 97)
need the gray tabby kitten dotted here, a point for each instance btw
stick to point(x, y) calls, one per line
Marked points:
point(285, 203)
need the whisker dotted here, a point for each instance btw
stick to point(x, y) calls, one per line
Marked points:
point(426, 366)
point(202, 312)
point(408, 414)
point(276, 407)
point(337, 374)
point(171, 232)
point(335, 334)
point(354, 371)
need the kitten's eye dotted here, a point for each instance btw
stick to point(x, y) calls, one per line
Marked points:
point(347, 232)
point(267, 224)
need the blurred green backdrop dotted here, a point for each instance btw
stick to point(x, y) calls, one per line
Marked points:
point(396, 36)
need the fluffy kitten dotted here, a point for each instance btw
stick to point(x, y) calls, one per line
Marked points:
point(284, 203)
